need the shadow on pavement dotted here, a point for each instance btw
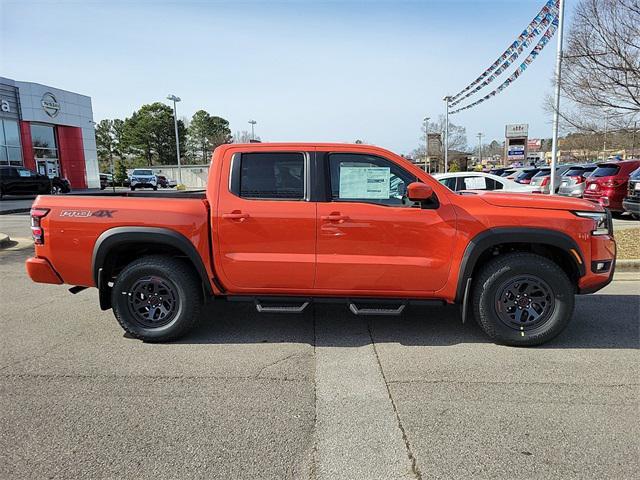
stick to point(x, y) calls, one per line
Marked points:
point(599, 321)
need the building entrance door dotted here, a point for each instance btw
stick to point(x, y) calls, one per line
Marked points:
point(49, 167)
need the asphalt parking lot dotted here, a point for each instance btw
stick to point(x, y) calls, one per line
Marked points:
point(322, 395)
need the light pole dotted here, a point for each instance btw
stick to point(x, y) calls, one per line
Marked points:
point(480, 147)
point(426, 140)
point(446, 99)
point(175, 124)
point(253, 135)
point(556, 110)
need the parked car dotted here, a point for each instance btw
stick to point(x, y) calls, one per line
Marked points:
point(542, 179)
point(457, 181)
point(165, 182)
point(359, 226)
point(106, 180)
point(514, 173)
point(22, 181)
point(631, 203)
point(574, 180)
point(498, 171)
point(525, 176)
point(609, 183)
point(143, 178)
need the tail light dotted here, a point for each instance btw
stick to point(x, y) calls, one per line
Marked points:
point(613, 182)
point(578, 178)
point(545, 182)
point(37, 214)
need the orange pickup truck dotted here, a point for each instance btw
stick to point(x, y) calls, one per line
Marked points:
point(285, 225)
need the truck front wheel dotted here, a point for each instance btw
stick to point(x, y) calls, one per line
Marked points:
point(522, 299)
point(157, 298)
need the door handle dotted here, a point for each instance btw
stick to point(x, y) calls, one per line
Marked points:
point(334, 217)
point(235, 215)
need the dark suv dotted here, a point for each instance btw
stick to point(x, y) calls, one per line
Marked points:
point(631, 203)
point(22, 181)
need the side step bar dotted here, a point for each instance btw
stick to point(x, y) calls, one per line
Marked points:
point(376, 311)
point(357, 306)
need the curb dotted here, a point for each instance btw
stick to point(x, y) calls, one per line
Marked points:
point(628, 265)
point(15, 210)
point(5, 241)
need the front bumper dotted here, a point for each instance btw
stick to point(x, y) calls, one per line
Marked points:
point(603, 249)
point(630, 206)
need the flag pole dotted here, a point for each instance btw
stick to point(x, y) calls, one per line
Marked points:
point(556, 108)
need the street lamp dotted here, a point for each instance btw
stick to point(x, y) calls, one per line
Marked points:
point(426, 136)
point(175, 99)
point(446, 99)
point(480, 147)
point(252, 122)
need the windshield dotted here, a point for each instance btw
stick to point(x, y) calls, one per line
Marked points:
point(636, 174)
point(543, 173)
point(147, 173)
point(527, 174)
point(605, 171)
point(575, 172)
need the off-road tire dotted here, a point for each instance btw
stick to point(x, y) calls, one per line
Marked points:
point(155, 188)
point(496, 273)
point(176, 274)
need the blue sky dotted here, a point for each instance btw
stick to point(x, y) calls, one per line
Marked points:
point(306, 71)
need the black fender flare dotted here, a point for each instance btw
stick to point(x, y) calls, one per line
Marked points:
point(117, 236)
point(496, 236)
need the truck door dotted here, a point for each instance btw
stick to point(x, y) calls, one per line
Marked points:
point(265, 222)
point(371, 238)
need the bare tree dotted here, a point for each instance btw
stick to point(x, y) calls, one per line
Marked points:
point(243, 137)
point(601, 70)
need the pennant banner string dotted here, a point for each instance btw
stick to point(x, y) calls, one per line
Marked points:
point(538, 24)
point(523, 66)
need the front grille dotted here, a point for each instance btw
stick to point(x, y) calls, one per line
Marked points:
point(632, 192)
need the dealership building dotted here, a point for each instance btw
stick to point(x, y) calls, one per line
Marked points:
point(48, 130)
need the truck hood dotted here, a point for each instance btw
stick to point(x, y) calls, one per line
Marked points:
point(548, 202)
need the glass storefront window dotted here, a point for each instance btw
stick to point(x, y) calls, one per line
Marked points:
point(43, 136)
point(10, 151)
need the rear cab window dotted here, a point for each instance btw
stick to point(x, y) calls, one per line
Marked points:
point(356, 177)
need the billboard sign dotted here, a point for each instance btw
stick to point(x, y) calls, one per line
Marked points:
point(515, 152)
point(534, 144)
point(517, 130)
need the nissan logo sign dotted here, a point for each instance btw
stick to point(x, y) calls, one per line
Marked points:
point(50, 104)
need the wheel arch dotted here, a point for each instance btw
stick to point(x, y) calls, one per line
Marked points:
point(150, 240)
point(558, 246)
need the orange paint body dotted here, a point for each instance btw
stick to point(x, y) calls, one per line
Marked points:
point(315, 248)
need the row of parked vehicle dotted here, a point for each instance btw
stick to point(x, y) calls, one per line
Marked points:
point(613, 184)
point(139, 178)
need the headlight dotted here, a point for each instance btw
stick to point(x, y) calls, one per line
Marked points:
point(603, 225)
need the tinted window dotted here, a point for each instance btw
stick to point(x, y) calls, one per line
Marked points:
point(574, 172)
point(507, 173)
point(450, 183)
point(272, 175)
point(142, 172)
point(527, 174)
point(636, 174)
point(367, 178)
point(605, 171)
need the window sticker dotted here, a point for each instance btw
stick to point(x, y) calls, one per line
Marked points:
point(475, 183)
point(364, 182)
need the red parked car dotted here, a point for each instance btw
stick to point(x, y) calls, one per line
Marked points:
point(608, 184)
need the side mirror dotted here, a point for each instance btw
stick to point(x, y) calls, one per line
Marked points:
point(418, 192)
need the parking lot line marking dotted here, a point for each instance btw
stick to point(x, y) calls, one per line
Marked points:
point(357, 429)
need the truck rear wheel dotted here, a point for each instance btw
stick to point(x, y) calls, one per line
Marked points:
point(157, 298)
point(522, 299)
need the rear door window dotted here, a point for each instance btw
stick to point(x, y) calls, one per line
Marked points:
point(272, 176)
point(605, 171)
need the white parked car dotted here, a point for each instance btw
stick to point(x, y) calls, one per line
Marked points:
point(143, 178)
point(457, 181)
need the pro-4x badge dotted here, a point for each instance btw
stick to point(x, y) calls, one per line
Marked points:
point(87, 213)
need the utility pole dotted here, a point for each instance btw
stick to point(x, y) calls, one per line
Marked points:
point(426, 152)
point(252, 122)
point(175, 124)
point(556, 110)
point(480, 147)
point(447, 99)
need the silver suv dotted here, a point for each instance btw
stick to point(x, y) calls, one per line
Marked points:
point(542, 179)
point(143, 178)
point(574, 180)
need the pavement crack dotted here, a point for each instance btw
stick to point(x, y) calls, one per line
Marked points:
point(414, 465)
point(272, 364)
